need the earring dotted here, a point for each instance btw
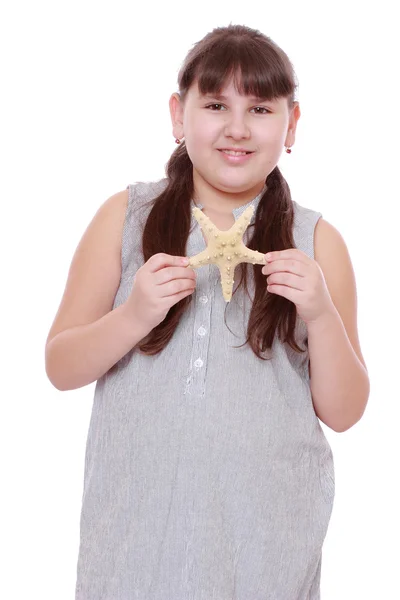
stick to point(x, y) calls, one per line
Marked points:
point(178, 141)
point(288, 150)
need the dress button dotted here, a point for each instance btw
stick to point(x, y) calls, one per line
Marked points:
point(198, 363)
point(203, 299)
point(201, 331)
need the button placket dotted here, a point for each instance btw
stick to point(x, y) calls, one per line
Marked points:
point(199, 340)
point(195, 380)
point(208, 278)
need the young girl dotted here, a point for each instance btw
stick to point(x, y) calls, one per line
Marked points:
point(207, 473)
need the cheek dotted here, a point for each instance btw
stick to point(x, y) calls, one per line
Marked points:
point(203, 123)
point(205, 129)
point(201, 137)
point(274, 135)
point(273, 145)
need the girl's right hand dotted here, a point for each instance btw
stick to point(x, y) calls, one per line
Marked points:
point(159, 284)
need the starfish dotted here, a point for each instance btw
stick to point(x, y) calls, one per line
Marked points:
point(225, 248)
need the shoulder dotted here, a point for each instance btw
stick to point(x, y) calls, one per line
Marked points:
point(147, 190)
point(332, 255)
point(303, 215)
point(141, 195)
point(329, 245)
point(114, 208)
point(304, 224)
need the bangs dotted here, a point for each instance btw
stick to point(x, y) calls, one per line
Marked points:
point(262, 75)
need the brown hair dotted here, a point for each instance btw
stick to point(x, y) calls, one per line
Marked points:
point(265, 71)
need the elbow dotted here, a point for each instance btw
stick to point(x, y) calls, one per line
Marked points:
point(344, 412)
point(58, 384)
point(60, 379)
point(51, 370)
point(54, 381)
point(342, 428)
point(345, 424)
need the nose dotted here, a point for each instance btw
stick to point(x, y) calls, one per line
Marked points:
point(236, 127)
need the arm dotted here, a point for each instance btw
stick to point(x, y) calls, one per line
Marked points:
point(87, 337)
point(80, 355)
point(339, 382)
point(339, 378)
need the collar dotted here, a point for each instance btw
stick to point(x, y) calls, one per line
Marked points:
point(240, 209)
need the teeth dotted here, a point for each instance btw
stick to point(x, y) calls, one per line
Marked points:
point(233, 153)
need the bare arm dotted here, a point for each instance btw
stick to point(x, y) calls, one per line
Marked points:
point(88, 336)
point(80, 355)
point(339, 382)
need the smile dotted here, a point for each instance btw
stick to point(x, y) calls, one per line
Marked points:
point(235, 157)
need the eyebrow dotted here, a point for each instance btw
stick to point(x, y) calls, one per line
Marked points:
point(224, 98)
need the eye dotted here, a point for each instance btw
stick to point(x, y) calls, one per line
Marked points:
point(210, 105)
point(263, 108)
point(260, 107)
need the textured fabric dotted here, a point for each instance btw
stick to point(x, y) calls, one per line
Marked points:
point(207, 473)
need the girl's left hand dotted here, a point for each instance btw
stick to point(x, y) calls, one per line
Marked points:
point(299, 278)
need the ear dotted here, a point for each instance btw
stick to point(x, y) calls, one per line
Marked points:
point(294, 116)
point(176, 111)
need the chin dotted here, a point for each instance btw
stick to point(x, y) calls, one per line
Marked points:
point(239, 183)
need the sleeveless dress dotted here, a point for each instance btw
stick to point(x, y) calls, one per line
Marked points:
point(207, 474)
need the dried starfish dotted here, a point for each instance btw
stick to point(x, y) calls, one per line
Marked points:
point(225, 248)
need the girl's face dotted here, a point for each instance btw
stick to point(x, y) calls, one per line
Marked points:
point(211, 123)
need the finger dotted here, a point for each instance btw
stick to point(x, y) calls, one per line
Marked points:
point(161, 260)
point(170, 273)
point(289, 254)
point(289, 266)
point(176, 287)
point(295, 282)
point(181, 295)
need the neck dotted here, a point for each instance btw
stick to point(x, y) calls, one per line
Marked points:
point(223, 201)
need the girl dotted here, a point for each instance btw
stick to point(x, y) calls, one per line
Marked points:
point(207, 473)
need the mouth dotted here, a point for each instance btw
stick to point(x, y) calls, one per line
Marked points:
point(234, 152)
point(231, 157)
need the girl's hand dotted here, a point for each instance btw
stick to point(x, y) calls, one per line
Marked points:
point(159, 284)
point(299, 278)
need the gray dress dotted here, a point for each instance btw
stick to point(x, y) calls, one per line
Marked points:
point(207, 473)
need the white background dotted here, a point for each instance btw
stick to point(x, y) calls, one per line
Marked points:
point(84, 112)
